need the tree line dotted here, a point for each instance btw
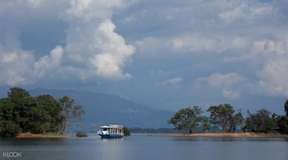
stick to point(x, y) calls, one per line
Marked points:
point(21, 113)
point(225, 118)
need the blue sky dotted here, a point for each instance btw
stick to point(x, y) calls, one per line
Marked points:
point(163, 53)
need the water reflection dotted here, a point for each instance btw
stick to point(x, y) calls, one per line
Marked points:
point(225, 139)
point(141, 147)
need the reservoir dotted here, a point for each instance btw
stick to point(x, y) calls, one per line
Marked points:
point(147, 147)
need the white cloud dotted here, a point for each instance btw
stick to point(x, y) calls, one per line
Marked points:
point(248, 33)
point(220, 80)
point(172, 82)
point(230, 94)
point(225, 82)
point(92, 40)
point(273, 53)
point(200, 26)
point(271, 46)
point(99, 49)
point(194, 43)
point(92, 47)
point(246, 12)
point(48, 64)
point(15, 67)
point(274, 77)
point(207, 44)
point(216, 44)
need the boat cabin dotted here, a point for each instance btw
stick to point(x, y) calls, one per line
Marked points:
point(111, 131)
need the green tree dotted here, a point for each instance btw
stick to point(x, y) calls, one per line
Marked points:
point(126, 131)
point(261, 121)
point(282, 124)
point(187, 118)
point(224, 116)
point(71, 111)
point(20, 113)
point(237, 121)
point(49, 114)
point(286, 107)
point(20, 104)
point(18, 93)
point(8, 128)
point(205, 123)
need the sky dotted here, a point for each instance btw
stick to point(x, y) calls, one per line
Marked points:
point(163, 53)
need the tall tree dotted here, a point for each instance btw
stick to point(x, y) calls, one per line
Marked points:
point(282, 124)
point(261, 121)
point(51, 117)
point(17, 93)
point(187, 118)
point(237, 121)
point(224, 116)
point(8, 125)
point(205, 123)
point(72, 112)
point(286, 107)
point(20, 113)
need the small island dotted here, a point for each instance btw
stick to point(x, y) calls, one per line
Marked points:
point(224, 121)
point(43, 116)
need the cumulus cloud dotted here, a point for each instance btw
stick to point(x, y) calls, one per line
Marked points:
point(220, 80)
point(248, 33)
point(244, 12)
point(274, 77)
point(230, 94)
point(271, 46)
point(15, 67)
point(172, 82)
point(100, 48)
point(92, 47)
point(274, 54)
point(224, 82)
point(48, 64)
point(195, 43)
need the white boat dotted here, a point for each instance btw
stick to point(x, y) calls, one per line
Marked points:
point(111, 131)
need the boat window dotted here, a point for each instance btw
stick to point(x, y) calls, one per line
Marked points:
point(104, 129)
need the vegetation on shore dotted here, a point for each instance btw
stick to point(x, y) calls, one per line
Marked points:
point(22, 113)
point(41, 135)
point(223, 117)
point(126, 132)
point(81, 134)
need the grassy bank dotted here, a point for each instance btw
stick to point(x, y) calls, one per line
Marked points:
point(227, 135)
point(37, 136)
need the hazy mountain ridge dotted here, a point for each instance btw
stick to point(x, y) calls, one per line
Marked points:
point(103, 108)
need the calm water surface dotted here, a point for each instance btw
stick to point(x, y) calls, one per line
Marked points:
point(143, 147)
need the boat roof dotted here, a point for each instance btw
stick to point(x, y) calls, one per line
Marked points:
point(112, 126)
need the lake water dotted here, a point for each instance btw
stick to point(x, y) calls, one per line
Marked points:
point(143, 147)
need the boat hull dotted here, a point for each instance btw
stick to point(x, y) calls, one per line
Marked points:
point(110, 136)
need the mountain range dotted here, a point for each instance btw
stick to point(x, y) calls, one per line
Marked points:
point(101, 108)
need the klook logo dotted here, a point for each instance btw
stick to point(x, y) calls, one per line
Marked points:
point(11, 155)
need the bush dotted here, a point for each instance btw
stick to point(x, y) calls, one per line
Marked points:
point(126, 131)
point(81, 134)
point(8, 129)
point(283, 124)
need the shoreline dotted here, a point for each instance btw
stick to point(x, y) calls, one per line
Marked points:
point(178, 135)
point(221, 135)
point(40, 136)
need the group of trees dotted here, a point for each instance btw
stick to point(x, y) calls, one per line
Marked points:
point(20, 113)
point(224, 117)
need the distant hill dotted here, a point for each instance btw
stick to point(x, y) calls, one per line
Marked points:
point(103, 108)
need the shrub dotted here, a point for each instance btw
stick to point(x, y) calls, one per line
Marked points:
point(81, 134)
